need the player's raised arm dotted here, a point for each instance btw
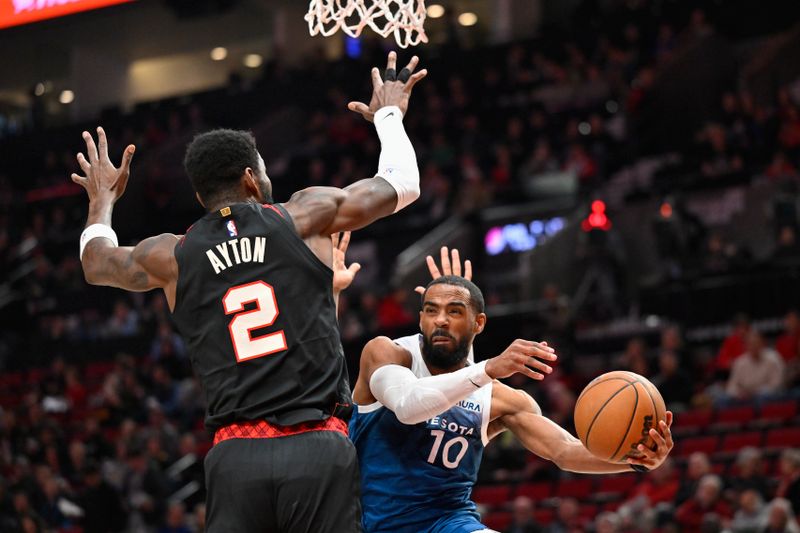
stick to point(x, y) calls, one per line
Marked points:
point(389, 380)
point(327, 210)
point(550, 441)
point(149, 265)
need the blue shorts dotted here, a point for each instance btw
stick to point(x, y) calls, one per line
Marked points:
point(457, 523)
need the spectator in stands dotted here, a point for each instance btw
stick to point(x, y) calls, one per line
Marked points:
point(124, 321)
point(707, 500)
point(176, 519)
point(787, 344)
point(748, 474)
point(789, 485)
point(659, 486)
point(787, 248)
point(607, 522)
point(749, 518)
point(673, 382)
point(103, 510)
point(523, 520)
point(758, 373)
point(734, 344)
point(634, 358)
point(392, 312)
point(199, 518)
point(567, 517)
point(780, 518)
point(698, 466)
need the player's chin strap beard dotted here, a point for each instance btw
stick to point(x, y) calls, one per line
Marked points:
point(439, 356)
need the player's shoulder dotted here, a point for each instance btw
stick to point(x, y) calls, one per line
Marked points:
point(383, 350)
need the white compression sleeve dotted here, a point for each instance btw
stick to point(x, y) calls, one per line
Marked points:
point(398, 161)
point(415, 400)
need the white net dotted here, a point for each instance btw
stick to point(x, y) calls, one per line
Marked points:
point(403, 18)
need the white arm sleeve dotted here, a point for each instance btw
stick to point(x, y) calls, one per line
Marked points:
point(398, 161)
point(415, 400)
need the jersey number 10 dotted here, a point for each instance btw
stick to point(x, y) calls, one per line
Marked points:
point(244, 345)
point(439, 436)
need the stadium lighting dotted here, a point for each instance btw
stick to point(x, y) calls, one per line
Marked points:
point(435, 11)
point(468, 19)
point(253, 60)
point(66, 97)
point(39, 89)
point(219, 53)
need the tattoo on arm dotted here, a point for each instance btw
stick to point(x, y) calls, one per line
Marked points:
point(146, 266)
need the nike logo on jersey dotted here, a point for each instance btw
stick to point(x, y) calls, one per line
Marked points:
point(236, 252)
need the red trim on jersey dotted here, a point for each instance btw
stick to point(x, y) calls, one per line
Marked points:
point(270, 206)
point(262, 429)
point(183, 238)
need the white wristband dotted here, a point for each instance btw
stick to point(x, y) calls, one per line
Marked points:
point(94, 231)
point(398, 162)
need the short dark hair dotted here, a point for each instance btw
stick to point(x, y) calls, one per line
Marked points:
point(215, 160)
point(475, 294)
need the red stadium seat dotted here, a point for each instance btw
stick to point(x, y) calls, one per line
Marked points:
point(735, 416)
point(99, 369)
point(621, 484)
point(11, 380)
point(783, 438)
point(734, 442)
point(579, 488)
point(492, 494)
point(699, 444)
point(497, 521)
point(588, 512)
point(778, 411)
point(691, 422)
point(535, 491)
point(544, 516)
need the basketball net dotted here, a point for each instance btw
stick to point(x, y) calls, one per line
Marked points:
point(403, 18)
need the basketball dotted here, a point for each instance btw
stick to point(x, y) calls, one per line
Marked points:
point(615, 413)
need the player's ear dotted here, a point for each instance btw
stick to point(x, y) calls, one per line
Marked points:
point(197, 195)
point(480, 323)
point(250, 183)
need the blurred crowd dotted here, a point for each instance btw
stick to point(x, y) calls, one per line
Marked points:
point(100, 416)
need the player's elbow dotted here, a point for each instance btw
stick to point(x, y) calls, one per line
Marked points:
point(409, 418)
point(90, 274)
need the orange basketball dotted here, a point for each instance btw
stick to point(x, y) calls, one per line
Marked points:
point(614, 414)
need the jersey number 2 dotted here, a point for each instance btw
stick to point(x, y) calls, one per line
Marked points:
point(244, 345)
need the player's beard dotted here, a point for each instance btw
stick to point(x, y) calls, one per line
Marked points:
point(441, 356)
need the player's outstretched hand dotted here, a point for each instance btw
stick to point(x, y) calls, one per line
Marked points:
point(103, 182)
point(652, 459)
point(394, 88)
point(343, 276)
point(449, 266)
point(522, 357)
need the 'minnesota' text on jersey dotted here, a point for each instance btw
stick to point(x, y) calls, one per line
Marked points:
point(256, 308)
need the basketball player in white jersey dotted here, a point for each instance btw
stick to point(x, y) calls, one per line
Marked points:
point(425, 412)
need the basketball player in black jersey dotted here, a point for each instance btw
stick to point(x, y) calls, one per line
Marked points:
point(249, 286)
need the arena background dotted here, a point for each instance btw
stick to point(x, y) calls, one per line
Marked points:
point(623, 175)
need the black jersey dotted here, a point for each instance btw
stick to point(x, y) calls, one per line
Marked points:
point(256, 308)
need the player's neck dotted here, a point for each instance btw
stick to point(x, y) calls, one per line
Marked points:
point(435, 371)
point(225, 202)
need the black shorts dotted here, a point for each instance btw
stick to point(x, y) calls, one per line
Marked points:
point(304, 483)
